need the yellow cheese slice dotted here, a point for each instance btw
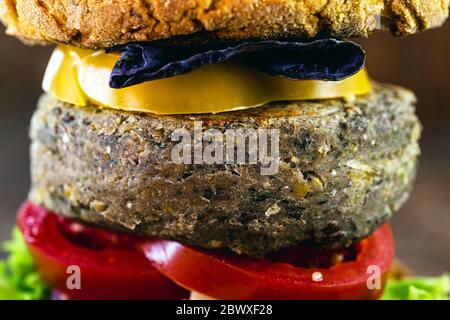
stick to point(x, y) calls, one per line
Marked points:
point(81, 76)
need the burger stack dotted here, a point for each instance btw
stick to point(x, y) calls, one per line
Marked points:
point(216, 149)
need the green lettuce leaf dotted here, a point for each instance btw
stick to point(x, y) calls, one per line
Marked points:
point(18, 277)
point(419, 288)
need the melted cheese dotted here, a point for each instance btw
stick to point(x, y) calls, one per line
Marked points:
point(81, 77)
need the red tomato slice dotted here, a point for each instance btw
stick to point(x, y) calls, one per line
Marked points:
point(112, 265)
point(228, 276)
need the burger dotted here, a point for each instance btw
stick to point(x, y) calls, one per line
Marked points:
point(215, 150)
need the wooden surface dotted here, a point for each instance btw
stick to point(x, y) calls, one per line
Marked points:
point(422, 228)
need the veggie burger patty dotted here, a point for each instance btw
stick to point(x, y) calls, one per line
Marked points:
point(346, 166)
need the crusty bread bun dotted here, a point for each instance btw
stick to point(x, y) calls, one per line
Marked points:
point(105, 23)
point(399, 270)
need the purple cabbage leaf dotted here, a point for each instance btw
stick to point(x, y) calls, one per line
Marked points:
point(322, 59)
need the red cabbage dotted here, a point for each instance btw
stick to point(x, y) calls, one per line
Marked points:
point(323, 59)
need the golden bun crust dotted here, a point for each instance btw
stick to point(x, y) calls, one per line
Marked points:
point(399, 270)
point(105, 23)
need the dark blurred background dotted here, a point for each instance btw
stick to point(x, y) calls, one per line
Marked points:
point(421, 63)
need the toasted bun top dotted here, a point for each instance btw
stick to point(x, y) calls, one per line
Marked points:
point(105, 23)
